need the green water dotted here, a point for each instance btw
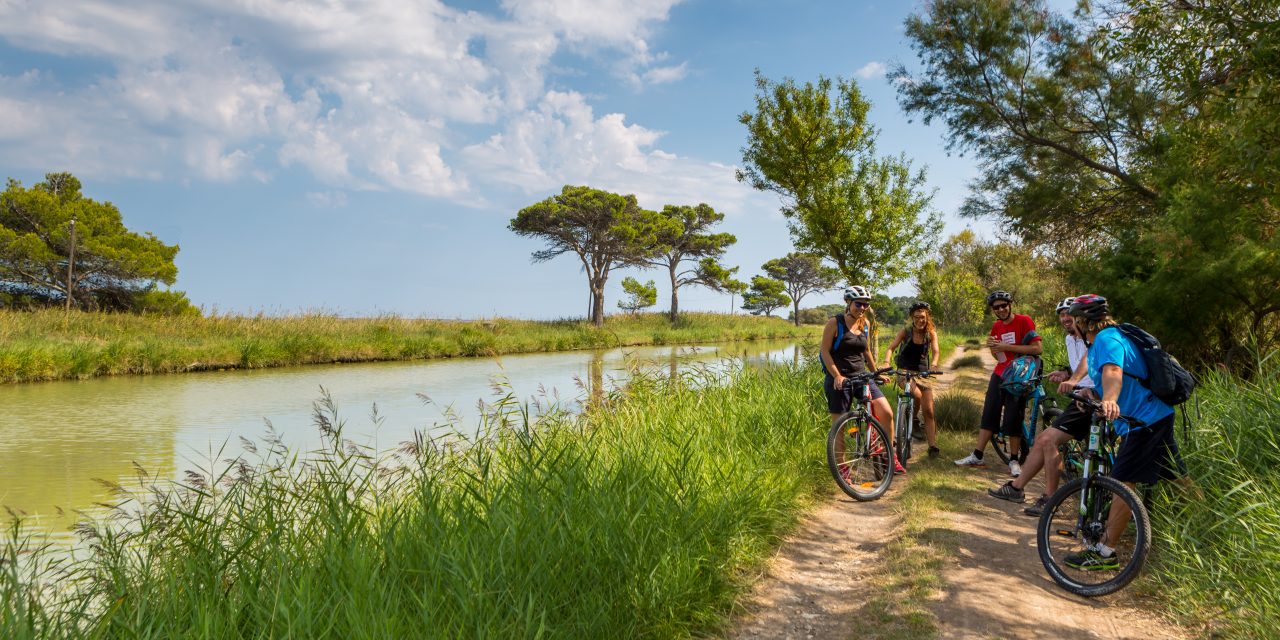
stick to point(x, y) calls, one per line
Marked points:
point(58, 438)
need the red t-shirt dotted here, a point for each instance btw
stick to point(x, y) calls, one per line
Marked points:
point(1019, 330)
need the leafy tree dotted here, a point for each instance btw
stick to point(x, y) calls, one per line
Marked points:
point(683, 233)
point(967, 268)
point(113, 265)
point(605, 230)
point(765, 295)
point(812, 145)
point(802, 274)
point(732, 287)
point(639, 296)
point(820, 313)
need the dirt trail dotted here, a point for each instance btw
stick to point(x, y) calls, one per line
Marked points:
point(994, 585)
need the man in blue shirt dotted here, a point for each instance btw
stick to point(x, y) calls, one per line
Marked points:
point(1148, 452)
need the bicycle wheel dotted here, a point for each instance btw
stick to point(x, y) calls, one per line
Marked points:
point(1072, 454)
point(859, 457)
point(1075, 520)
point(902, 432)
point(1001, 444)
point(1049, 415)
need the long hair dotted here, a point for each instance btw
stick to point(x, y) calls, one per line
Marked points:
point(869, 317)
point(928, 322)
point(1086, 327)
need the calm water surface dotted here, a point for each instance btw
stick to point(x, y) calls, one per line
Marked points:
point(57, 438)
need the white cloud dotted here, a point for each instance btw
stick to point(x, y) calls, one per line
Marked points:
point(871, 70)
point(327, 199)
point(380, 94)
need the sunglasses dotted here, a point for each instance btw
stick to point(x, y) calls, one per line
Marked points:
point(1000, 307)
point(862, 305)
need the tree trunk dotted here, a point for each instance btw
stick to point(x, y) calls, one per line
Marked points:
point(675, 301)
point(796, 311)
point(597, 308)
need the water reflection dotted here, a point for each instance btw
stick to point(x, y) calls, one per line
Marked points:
point(56, 438)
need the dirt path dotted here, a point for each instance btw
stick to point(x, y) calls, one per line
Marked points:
point(993, 586)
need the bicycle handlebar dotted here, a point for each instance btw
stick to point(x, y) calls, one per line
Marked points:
point(1096, 407)
point(865, 376)
point(917, 374)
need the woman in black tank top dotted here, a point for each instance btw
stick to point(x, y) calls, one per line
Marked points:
point(854, 354)
point(919, 352)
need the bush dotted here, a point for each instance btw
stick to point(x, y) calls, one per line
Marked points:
point(955, 411)
point(163, 302)
point(972, 362)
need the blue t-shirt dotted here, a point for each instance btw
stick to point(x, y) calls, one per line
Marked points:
point(1111, 347)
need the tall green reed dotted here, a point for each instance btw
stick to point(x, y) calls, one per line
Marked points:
point(638, 519)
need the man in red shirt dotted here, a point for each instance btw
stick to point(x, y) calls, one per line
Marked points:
point(1012, 335)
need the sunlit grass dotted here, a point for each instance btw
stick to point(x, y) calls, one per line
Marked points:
point(54, 345)
point(644, 518)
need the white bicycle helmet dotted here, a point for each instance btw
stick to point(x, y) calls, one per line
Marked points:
point(856, 292)
point(1065, 304)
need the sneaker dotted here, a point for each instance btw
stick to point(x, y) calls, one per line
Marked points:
point(1007, 492)
point(970, 461)
point(934, 452)
point(898, 469)
point(1015, 469)
point(1036, 507)
point(917, 435)
point(1090, 560)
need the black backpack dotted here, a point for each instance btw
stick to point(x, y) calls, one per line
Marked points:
point(1166, 379)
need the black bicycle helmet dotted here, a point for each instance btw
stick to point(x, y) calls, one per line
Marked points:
point(999, 294)
point(918, 305)
point(1064, 305)
point(1090, 306)
point(856, 292)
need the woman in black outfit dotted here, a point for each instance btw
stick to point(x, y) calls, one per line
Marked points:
point(855, 354)
point(919, 352)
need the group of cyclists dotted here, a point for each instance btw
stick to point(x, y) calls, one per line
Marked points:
point(1103, 365)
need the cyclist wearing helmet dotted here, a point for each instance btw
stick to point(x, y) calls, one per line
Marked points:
point(919, 352)
point(1012, 335)
point(1072, 423)
point(854, 354)
point(1148, 452)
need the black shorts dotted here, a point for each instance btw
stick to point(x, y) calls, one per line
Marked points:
point(839, 400)
point(1074, 421)
point(1002, 411)
point(1148, 455)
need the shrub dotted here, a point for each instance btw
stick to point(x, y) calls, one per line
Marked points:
point(956, 411)
point(972, 362)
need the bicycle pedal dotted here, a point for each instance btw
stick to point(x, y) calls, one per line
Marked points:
point(1066, 534)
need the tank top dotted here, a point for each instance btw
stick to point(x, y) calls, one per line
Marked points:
point(850, 355)
point(913, 356)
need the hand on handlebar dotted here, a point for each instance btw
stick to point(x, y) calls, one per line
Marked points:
point(1110, 410)
point(1064, 387)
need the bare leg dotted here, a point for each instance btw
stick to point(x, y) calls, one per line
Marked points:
point(885, 415)
point(1117, 519)
point(1043, 454)
point(926, 416)
point(984, 436)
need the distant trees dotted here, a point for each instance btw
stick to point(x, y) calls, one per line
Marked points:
point(801, 274)
point(605, 230)
point(813, 146)
point(764, 296)
point(639, 296)
point(967, 268)
point(682, 234)
point(114, 268)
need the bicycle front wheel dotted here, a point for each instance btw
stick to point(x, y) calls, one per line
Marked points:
point(1074, 521)
point(902, 433)
point(859, 457)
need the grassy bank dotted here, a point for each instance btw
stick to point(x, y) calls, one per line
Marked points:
point(642, 520)
point(1217, 551)
point(52, 345)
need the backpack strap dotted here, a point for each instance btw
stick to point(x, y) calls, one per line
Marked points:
point(835, 344)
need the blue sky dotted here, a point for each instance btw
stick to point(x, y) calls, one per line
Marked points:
point(366, 157)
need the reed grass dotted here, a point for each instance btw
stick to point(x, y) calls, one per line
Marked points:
point(54, 345)
point(643, 518)
point(1216, 558)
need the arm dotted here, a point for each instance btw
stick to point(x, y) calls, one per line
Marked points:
point(829, 336)
point(1082, 369)
point(934, 354)
point(897, 340)
point(1112, 381)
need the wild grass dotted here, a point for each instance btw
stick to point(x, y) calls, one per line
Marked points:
point(968, 362)
point(642, 518)
point(956, 411)
point(1216, 558)
point(54, 345)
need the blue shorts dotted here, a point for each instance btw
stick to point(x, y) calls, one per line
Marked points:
point(840, 400)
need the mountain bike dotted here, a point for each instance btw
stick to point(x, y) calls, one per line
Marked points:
point(1076, 516)
point(1000, 442)
point(905, 420)
point(858, 452)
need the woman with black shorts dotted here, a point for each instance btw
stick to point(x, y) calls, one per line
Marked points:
point(855, 354)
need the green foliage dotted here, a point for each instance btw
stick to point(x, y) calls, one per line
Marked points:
point(765, 295)
point(637, 520)
point(164, 302)
point(954, 410)
point(682, 233)
point(820, 314)
point(639, 296)
point(968, 362)
point(605, 230)
point(112, 264)
point(801, 274)
point(813, 146)
point(967, 268)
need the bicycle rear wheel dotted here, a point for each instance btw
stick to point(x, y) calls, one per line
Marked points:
point(1069, 528)
point(859, 457)
point(902, 432)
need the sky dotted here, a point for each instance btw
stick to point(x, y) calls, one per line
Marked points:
point(364, 158)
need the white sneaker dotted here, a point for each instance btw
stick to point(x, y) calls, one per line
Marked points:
point(1015, 469)
point(970, 461)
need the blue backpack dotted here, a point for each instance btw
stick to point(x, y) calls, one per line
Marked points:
point(1020, 378)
